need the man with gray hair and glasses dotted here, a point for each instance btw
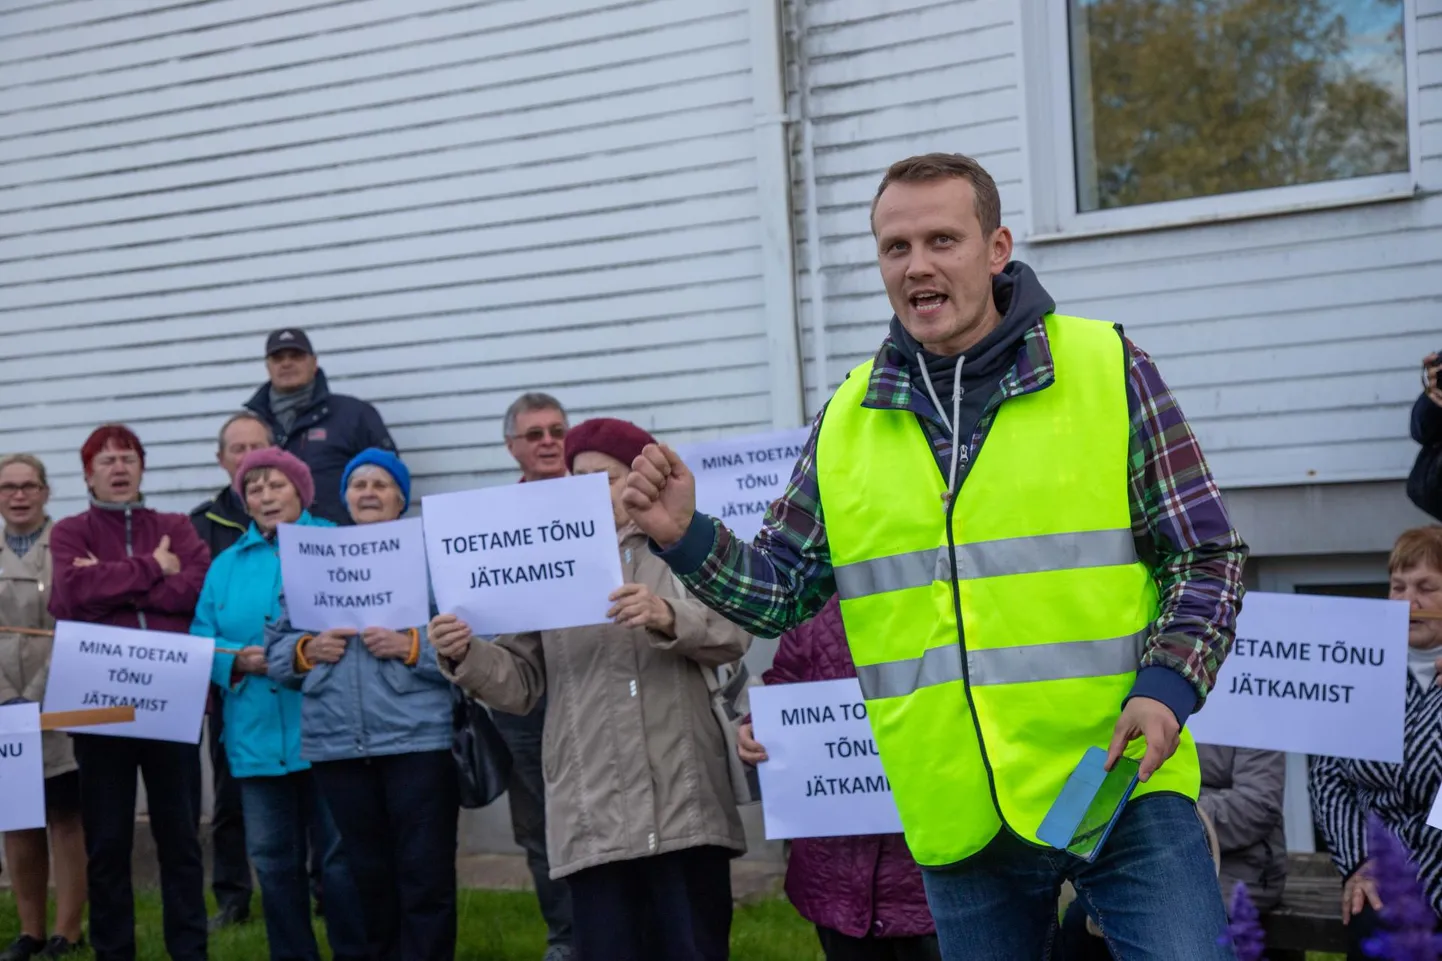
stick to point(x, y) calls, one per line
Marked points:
point(535, 431)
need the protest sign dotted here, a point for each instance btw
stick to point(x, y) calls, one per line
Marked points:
point(823, 777)
point(369, 575)
point(737, 478)
point(524, 557)
point(22, 768)
point(164, 676)
point(1312, 674)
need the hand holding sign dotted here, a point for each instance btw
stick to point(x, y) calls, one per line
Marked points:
point(250, 660)
point(450, 636)
point(637, 606)
point(328, 647)
point(386, 644)
point(660, 494)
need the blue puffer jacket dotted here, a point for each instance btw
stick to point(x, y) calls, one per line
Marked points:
point(240, 597)
point(362, 706)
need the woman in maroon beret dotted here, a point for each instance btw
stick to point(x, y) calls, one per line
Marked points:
point(640, 815)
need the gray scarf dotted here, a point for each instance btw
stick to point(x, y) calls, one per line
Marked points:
point(287, 407)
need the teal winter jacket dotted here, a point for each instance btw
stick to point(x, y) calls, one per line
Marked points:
point(240, 598)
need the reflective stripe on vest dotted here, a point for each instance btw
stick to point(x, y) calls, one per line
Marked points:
point(1016, 555)
point(1003, 665)
point(980, 723)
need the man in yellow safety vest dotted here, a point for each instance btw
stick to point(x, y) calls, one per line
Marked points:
point(1032, 560)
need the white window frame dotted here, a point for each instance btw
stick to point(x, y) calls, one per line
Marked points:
point(1047, 99)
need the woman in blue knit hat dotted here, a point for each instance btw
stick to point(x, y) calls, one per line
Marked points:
point(376, 727)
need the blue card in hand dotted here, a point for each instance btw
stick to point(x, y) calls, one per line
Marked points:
point(1089, 804)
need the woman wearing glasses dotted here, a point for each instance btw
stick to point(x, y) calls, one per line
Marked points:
point(24, 665)
point(123, 564)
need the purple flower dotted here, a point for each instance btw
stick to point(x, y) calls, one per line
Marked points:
point(1408, 922)
point(1244, 932)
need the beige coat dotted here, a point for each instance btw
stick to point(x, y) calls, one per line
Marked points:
point(634, 759)
point(25, 661)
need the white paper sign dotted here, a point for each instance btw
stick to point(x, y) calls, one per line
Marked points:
point(22, 769)
point(1312, 674)
point(823, 777)
point(738, 478)
point(524, 557)
point(1434, 817)
point(164, 676)
point(369, 575)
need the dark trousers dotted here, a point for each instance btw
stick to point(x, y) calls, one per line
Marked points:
point(397, 817)
point(230, 880)
point(671, 907)
point(108, 769)
point(842, 947)
point(286, 816)
point(526, 793)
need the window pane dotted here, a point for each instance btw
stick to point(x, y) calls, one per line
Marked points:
point(1191, 98)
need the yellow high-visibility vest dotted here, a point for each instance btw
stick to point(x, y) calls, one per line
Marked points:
point(979, 728)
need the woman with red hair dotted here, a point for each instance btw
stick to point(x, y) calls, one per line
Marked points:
point(122, 564)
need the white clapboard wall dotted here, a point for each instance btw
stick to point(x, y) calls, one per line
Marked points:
point(458, 200)
point(1293, 342)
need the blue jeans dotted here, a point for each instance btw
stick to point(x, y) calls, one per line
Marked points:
point(1153, 889)
point(284, 816)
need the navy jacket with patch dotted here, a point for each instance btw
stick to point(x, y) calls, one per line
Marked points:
point(327, 434)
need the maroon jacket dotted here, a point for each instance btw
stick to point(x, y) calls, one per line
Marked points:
point(127, 587)
point(855, 885)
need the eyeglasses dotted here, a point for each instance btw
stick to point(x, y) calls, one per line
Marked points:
point(29, 488)
point(110, 460)
point(537, 434)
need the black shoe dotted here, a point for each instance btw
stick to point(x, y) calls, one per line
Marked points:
point(229, 916)
point(59, 947)
point(22, 949)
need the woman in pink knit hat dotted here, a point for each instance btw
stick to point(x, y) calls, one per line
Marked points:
point(641, 818)
point(284, 813)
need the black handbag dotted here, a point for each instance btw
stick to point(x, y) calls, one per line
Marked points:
point(483, 762)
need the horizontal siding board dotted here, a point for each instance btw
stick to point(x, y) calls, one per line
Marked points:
point(475, 356)
point(215, 73)
point(436, 218)
point(69, 164)
point(577, 267)
point(447, 61)
point(509, 82)
point(512, 243)
point(553, 147)
point(141, 346)
point(303, 22)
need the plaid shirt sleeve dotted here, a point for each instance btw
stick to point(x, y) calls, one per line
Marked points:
point(783, 577)
point(1196, 554)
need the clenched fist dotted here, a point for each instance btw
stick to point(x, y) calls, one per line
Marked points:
point(660, 494)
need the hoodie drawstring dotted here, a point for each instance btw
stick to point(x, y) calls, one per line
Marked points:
point(953, 425)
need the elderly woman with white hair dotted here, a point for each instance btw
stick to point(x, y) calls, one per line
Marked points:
point(376, 728)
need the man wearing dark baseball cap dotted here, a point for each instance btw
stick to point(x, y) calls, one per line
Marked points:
point(321, 428)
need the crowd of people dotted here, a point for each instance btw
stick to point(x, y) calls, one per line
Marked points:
point(334, 779)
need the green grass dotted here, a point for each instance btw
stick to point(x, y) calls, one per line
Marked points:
point(494, 926)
